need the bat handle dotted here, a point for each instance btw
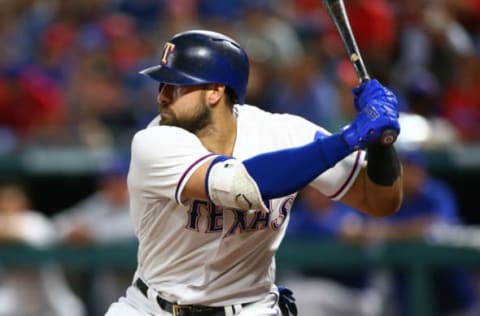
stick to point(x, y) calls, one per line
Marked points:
point(359, 67)
point(389, 136)
point(364, 78)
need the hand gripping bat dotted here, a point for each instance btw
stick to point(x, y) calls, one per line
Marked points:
point(338, 14)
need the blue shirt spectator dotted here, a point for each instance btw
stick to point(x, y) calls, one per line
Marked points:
point(428, 202)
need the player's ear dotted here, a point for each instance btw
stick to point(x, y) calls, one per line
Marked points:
point(214, 93)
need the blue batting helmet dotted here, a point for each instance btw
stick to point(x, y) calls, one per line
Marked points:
point(203, 57)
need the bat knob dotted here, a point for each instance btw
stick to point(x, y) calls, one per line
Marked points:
point(389, 136)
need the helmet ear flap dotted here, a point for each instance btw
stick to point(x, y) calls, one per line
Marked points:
point(231, 96)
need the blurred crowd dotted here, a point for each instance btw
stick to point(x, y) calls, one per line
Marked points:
point(429, 210)
point(69, 76)
point(69, 69)
point(50, 289)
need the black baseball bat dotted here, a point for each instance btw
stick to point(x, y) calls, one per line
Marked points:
point(338, 14)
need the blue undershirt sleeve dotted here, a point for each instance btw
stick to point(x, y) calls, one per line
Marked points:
point(283, 172)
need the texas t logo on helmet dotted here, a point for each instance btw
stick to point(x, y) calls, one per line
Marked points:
point(167, 50)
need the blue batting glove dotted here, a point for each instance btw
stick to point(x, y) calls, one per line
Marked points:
point(372, 89)
point(377, 111)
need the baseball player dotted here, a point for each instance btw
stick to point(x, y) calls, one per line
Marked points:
point(212, 181)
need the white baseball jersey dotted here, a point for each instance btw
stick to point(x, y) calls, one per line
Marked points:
point(194, 252)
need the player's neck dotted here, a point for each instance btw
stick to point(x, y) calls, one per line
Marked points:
point(219, 137)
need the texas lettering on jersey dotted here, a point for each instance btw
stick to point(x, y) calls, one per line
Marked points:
point(207, 217)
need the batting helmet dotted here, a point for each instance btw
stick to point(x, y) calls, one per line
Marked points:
point(202, 57)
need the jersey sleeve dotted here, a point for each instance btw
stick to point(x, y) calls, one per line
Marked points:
point(336, 181)
point(163, 159)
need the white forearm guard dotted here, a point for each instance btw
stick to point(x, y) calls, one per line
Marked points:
point(230, 185)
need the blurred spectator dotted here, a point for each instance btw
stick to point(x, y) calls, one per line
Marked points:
point(467, 13)
point(267, 37)
point(377, 37)
point(98, 105)
point(309, 17)
point(352, 292)
point(346, 80)
point(79, 58)
point(430, 37)
point(306, 92)
point(269, 41)
point(422, 93)
point(428, 202)
point(318, 91)
point(145, 12)
point(222, 9)
point(461, 101)
point(31, 104)
point(421, 118)
point(41, 291)
point(56, 49)
point(177, 16)
point(102, 217)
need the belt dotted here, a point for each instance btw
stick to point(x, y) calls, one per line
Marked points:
point(181, 310)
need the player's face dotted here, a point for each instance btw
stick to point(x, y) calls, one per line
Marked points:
point(184, 107)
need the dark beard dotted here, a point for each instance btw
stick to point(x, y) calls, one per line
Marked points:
point(201, 119)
